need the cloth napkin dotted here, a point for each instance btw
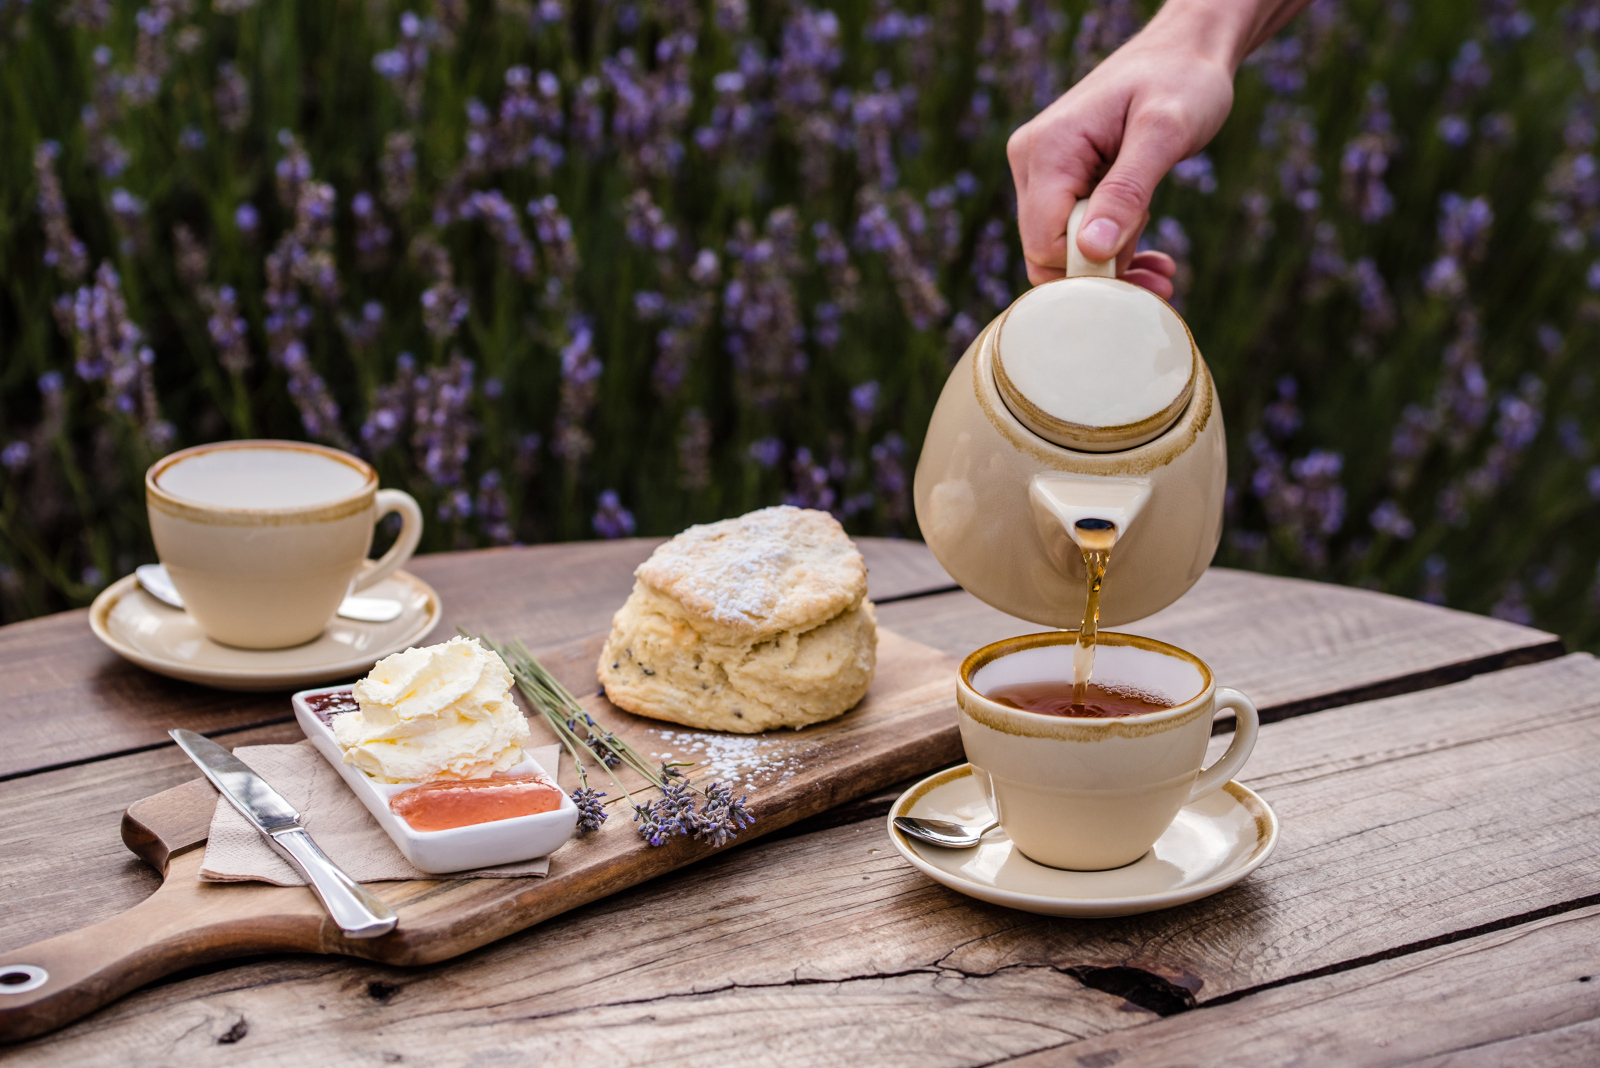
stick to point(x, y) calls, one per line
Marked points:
point(335, 817)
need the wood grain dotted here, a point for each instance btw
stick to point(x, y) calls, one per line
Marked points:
point(1293, 646)
point(70, 699)
point(65, 863)
point(1404, 820)
point(905, 725)
point(1529, 995)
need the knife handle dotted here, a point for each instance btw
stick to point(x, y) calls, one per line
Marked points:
point(358, 913)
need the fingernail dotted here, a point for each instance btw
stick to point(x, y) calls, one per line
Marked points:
point(1101, 235)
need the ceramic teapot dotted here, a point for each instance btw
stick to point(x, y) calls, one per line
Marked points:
point(1087, 398)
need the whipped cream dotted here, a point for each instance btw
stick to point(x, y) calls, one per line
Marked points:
point(439, 712)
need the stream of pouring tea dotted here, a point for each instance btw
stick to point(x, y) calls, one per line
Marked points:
point(1095, 537)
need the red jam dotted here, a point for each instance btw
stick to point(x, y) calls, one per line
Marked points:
point(447, 803)
point(328, 705)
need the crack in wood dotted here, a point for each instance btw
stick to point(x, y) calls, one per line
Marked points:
point(1145, 989)
point(1422, 680)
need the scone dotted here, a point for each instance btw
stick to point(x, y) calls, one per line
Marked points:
point(746, 625)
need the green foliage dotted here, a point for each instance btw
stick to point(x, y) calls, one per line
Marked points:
point(770, 274)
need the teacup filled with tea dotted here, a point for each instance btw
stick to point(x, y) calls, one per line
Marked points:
point(1088, 780)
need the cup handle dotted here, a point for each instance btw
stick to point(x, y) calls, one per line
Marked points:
point(389, 500)
point(1244, 740)
point(1079, 265)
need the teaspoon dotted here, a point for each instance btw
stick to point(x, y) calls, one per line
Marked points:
point(158, 584)
point(943, 832)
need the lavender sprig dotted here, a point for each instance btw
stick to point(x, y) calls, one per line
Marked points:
point(717, 817)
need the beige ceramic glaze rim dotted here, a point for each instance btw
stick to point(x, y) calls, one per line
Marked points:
point(1017, 721)
point(229, 515)
point(1069, 435)
point(1138, 460)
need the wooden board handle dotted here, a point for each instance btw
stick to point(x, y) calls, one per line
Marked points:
point(182, 924)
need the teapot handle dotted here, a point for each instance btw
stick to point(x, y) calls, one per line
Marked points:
point(1079, 265)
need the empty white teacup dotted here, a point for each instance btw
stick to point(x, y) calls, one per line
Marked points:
point(1091, 794)
point(264, 539)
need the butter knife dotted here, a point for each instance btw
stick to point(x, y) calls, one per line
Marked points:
point(358, 912)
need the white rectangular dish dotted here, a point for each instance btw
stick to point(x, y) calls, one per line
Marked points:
point(479, 845)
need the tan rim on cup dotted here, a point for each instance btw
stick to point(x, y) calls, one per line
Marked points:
point(219, 515)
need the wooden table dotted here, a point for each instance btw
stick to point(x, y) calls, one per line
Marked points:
point(1435, 895)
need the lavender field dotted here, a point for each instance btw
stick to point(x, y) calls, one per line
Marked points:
point(575, 268)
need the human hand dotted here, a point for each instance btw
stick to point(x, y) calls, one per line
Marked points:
point(1155, 101)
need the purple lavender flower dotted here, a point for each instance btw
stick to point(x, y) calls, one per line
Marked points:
point(611, 521)
point(1435, 572)
point(389, 417)
point(879, 231)
point(580, 384)
point(1282, 416)
point(1281, 62)
point(889, 477)
point(372, 236)
point(63, 251)
point(863, 404)
point(14, 457)
point(303, 256)
point(1463, 235)
point(1513, 605)
point(232, 98)
point(811, 483)
point(228, 329)
point(1304, 500)
point(760, 310)
point(558, 246)
point(443, 429)
point(247, 219)
point(1506, 21)
point(444, 307)
point(1366, 159)
point(1197, 173)
point(1387, 518)
point(877, 119)
point(591, 810)
point(1290, 130)
point(405, 65)
point(398, 168)
point(110, 350)
point(1454, 130)
point(494, 509)
point(766, 452)
point(1372, 294)
point(652, 106)
point(501, 219)
point(694, 451)
point(1104, 28)
point(843, 278)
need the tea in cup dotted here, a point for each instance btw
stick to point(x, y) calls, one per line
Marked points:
point(264, 539)
point(1087, 792)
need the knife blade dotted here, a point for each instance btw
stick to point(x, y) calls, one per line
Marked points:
point(356, 910)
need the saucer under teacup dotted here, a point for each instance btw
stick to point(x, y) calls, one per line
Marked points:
point(1212, 844)
point(168, 641)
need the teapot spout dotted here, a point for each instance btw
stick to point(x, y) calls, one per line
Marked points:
point(1060, 502)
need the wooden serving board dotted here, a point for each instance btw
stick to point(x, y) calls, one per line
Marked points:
point(906, 725)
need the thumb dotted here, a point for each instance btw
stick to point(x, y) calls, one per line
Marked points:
point(1120, 204)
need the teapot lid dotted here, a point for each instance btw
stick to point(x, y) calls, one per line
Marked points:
point(1093, 363)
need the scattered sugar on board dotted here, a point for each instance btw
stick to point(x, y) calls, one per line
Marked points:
point(729, 758)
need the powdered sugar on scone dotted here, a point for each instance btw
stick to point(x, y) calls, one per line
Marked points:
point(769, 571)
